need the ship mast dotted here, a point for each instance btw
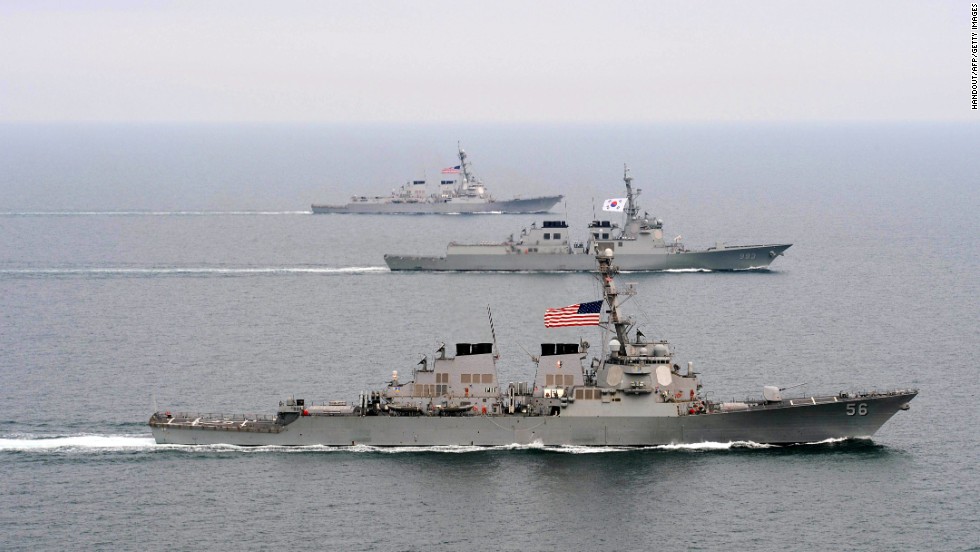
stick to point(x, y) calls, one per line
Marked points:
point(606, 273)
point(631, 208)
point(464, 182)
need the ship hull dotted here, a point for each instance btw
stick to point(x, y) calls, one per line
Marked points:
point(797, 421)
point(724, 258)
point(529, 205)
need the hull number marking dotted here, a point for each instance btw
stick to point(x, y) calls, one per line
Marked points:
point(861, 410)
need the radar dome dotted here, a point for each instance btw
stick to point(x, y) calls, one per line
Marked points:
point(660, 350)
point(614, 344)
point(608, 252)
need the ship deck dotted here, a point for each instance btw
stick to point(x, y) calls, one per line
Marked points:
point(256, 423)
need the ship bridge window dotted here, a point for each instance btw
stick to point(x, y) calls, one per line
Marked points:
point(595, 235)
point(547, 236)
point(557, 236)
point(605, 236)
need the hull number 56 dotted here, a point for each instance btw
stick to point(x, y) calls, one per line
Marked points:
point(861, 409)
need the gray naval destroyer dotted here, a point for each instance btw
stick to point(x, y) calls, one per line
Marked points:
point(462, 195)
point(634, 395)
point(639, 246)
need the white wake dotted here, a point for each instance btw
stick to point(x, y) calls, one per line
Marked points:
point(109, 443)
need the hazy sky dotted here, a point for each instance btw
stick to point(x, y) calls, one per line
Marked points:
point(463, 61)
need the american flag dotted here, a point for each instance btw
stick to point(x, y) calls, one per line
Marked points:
point(451, 170)
point(581, 314)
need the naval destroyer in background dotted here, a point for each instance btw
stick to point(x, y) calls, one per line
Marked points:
point(463, 194)
point(634, 395)
point(639, 246)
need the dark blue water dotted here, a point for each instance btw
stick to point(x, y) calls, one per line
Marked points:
point(175, 265)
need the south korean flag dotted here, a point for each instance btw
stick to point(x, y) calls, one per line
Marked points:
point(616, 205)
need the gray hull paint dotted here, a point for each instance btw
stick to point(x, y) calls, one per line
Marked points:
point(725, 258)
point(784, 424)
point(529, 205)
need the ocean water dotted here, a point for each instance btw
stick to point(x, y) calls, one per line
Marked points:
point(145, 267)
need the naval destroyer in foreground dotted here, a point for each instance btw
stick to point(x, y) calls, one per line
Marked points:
point(639, 246)
point(633, 396)
point(462, 195)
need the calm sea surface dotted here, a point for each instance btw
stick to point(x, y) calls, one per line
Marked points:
point(178, 267)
